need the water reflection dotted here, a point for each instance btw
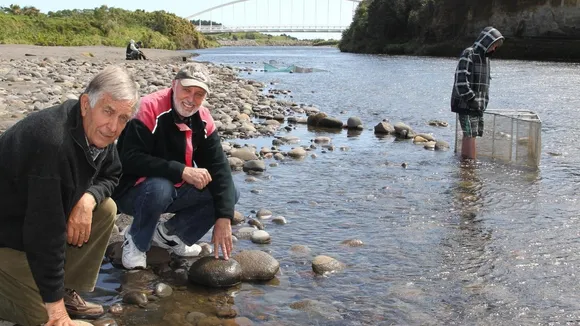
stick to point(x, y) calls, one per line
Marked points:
point(467, 255)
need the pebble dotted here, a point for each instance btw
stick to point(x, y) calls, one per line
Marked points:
point(261, 237)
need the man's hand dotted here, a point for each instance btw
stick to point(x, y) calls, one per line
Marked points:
point(473, 105)
point(78, 229)
point(222, 237)
point(199, 178)
point(57, 315)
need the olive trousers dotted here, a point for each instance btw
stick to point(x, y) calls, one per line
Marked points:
point(20, 300)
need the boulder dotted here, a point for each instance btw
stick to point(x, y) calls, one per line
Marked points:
point(217, 273)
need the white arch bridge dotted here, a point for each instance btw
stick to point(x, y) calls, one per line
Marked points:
point(277, 16)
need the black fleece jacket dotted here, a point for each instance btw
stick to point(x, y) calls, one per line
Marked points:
point(157, 143)
point(45, 168)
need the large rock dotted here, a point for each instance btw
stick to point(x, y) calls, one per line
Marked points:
point(331, 123)
point(245, 153)
point(297, 152)
point(404, 131)
point(255, 166)
point(322, 120)
point(384, 127)
point(257, 265)
point(235, 163)
point(212, 272)
point(354, 123)
point(324, 264)
point(314, 119)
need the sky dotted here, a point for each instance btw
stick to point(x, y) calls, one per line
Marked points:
point(248, 13)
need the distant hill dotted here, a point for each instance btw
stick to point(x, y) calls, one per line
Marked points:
point(534, 29)
point(99, 26)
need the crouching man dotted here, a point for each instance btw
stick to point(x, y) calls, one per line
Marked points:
point(58, 169)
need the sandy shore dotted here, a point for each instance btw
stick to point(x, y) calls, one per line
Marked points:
point(114, 54)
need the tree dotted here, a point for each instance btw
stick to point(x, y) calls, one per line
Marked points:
point(30, 11)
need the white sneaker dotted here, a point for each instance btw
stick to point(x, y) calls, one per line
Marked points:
point(132, 257)
point(173, 243)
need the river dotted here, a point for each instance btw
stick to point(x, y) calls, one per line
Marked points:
point(444, 244)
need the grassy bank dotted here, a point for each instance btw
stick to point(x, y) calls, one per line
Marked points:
point(99, 26)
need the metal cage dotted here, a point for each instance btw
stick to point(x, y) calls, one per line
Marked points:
point(509, 136)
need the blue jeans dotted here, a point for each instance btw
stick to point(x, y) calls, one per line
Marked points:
point(193, 208)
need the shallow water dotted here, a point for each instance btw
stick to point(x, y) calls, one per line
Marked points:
point(445, 244)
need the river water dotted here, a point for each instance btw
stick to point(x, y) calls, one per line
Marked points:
point(444, 244)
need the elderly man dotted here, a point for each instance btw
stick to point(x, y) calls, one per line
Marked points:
point(58, 168)
point(173, 162)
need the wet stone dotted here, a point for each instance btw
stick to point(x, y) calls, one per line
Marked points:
point(212, 272)
point(324, 264)
point(152, 298)
point(280, 220)
point(297, 152)
point(354, 123)
point(163, 290)
point(238, 218)
point(263, 213)
point(257, 265)
point(254, 166)
point(300, 249)
point(116, 309)
point(352, 243)
point(194, 317)
point(104, 322)
point(245, 233)
point(210, 321)
point(256, 223)
point(261, 237)
point(174, 319)
point(226, 312)
point(135, 297)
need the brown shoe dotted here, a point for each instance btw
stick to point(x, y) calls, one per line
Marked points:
point(76, 307)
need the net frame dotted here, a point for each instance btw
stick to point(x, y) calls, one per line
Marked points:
point(498, 141)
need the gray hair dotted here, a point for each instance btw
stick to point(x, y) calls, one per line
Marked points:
point(115, 81)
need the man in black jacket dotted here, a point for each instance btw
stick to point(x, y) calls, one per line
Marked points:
point(173, 162)
point(470, 93)
point(58, 169)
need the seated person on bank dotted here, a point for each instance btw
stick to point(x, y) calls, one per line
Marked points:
point(133, 52)
point(173, 162)
point(58, 168)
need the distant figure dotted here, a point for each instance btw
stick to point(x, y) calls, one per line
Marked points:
point(139, 45)
point(133, 52)
point(58, 169)
point(470, 93)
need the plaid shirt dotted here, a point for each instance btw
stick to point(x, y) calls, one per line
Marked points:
point(470, 93)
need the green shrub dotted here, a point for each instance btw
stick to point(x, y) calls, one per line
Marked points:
point(99, 26)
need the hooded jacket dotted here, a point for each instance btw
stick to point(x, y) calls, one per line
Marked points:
point(45, 168)
point(470, 93)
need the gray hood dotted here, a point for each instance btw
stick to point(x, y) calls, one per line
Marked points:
point(486, 38)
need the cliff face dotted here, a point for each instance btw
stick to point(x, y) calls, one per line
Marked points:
point(534, 29)
point(535, 19)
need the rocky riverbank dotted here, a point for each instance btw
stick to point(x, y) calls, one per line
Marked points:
point(33, 78)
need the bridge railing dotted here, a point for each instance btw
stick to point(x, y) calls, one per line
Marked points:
point(234, 29)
